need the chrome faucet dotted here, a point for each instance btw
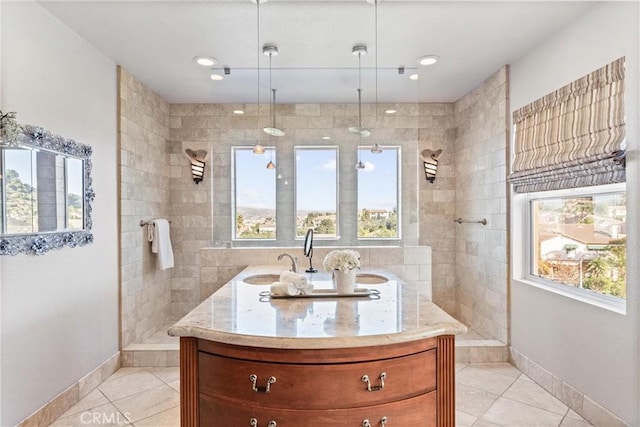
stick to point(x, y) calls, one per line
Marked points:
point(294, 261)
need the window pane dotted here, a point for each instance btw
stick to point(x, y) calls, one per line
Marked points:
point(255, 194)
point(581, 241)
point(20, 191)
point(316, 184)
point(378, 194)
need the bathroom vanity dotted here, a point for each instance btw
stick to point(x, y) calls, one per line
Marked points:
point(383, 360)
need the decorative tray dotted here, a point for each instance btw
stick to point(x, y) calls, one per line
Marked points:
point(327, 293)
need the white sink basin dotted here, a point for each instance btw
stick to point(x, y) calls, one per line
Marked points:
point(370, 279)
point(261, 279)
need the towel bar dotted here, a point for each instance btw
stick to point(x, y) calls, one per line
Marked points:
point(483, 221)
point(143, 222)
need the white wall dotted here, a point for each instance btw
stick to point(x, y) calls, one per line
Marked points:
point(60, 310)
point(593, 349)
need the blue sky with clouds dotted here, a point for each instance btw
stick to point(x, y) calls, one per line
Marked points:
point(316, 179)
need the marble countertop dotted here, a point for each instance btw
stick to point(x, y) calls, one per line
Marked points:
point(236, 314)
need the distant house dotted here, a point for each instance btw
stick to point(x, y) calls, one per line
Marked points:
point(379, 214)
point(573, 241)
point(267, 227)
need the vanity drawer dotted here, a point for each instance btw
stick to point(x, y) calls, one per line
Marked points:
point(418, 411)
point(318, 386)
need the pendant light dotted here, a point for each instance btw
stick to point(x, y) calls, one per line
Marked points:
point(271, 51)
point(375, 148)
point(271, 165)
point(359, 50)
point(258, 148)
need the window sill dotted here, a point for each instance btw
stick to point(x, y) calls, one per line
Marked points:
point(606, 302)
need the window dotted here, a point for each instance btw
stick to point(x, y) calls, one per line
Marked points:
point(254, 193)
point(378, 195)
point(579, 240)
point(316, 191)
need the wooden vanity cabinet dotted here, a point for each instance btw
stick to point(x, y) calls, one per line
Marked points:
point(417, 411)
point(409, 384)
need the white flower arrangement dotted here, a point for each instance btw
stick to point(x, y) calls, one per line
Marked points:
point(343, 260)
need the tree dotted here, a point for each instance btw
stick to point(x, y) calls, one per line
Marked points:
point(20, 199)
point(326, 226)
point(578, 210)
point(239, 221)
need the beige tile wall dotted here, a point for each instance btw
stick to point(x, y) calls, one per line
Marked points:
point(437, 201)
point(202, 213)
point(144, 194)
point(481, 192)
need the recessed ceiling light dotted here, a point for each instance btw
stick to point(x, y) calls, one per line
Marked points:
point(414, 76)
point(428, 60)
point(205, 61)
point(217, 77)
point(238, 112)
point(390, 111)
point(326, 137)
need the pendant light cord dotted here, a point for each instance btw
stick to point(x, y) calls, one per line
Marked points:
point(273, 100)
point(258, 57)
point(360, 94)
point(359, 106)
point(376, 41)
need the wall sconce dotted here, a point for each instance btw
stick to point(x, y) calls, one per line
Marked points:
point(197, 159)
point(430, 162)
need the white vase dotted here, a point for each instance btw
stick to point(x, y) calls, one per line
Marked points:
point(345, 281)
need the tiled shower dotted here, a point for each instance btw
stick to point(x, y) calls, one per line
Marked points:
point(467, 271)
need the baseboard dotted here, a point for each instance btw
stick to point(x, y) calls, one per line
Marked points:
point(580, 403)
point(57, 406)
point(150, 358)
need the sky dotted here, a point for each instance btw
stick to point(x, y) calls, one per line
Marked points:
point(316, 179)
point(22, 161)
point(255, 184)
point(378, 181)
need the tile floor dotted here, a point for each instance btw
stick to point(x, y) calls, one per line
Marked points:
point(487, 394)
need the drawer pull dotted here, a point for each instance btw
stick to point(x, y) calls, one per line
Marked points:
point(365, 379)
point(383, 422)
point(254, 380)
point(254, 423)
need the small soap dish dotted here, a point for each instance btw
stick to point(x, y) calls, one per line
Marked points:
point(328, 293)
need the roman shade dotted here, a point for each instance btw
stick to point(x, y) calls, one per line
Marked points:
point(573, 137)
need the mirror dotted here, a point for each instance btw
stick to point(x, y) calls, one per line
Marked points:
point(308, 250)
point(46, 193)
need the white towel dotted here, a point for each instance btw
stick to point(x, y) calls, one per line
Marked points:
point(298, 280)
point(158, 235)
point(282, 289)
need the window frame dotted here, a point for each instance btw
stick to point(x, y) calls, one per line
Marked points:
point(336, 148)
point(234, 192)
point(399, 237)
point(608, 302)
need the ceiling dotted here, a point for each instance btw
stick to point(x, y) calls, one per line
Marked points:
point(157, 41)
